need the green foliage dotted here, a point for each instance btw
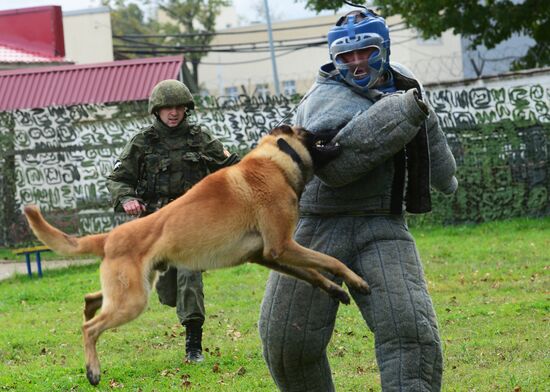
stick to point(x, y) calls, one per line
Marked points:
point(502, 173)
point(128, 19)
point(191, 29)
point(488, 283)
point(195, 18)
point(484, 22)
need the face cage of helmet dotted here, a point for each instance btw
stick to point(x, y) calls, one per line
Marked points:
point(361, 59)
point(363, 67)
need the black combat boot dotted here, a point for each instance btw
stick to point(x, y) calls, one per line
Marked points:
point(193, 342)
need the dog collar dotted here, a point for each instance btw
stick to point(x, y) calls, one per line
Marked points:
point(285, 147)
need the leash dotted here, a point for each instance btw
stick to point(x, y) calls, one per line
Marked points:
point(297, 105)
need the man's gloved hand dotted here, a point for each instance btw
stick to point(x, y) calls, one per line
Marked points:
point(133, 207)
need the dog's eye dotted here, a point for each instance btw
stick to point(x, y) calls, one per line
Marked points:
point(284, 128)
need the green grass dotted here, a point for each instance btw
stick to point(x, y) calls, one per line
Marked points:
point(489, 283)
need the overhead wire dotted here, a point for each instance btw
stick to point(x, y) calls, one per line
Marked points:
point(137, 45)
point(207, 33)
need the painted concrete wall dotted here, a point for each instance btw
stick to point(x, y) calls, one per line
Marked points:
point(517, 96)
point(63, 154)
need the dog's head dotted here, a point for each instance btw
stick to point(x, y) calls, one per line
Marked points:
point(317, 144)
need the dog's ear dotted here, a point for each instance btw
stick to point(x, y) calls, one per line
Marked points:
point(282, 129)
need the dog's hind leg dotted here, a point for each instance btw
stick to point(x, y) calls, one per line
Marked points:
point(92, 302)
point(309, 275)
point(124, 298)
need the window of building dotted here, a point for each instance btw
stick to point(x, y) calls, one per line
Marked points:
point(262, 90)
point(231, 91)
point(289, 87)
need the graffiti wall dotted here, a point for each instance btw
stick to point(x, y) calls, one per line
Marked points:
point(62, 155)
point(499, 132)
point(516, 99)
point(59, 157)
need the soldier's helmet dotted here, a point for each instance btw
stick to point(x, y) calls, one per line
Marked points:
point(170, 92)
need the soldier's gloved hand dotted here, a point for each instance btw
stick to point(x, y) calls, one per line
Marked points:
point(133, 207)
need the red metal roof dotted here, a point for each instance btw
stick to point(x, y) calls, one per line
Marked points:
point(12, 55)
point(36, 29)
point(127, 80)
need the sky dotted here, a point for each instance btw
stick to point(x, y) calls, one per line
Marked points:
point(282, 9)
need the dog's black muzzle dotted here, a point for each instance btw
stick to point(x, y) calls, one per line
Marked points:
point(320, 146)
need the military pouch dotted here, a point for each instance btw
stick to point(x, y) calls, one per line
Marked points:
point(147, 183)
point(194, 167)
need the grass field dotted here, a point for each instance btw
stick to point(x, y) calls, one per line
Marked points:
point(489, 283)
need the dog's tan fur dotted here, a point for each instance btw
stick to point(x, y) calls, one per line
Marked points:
point(246, 212)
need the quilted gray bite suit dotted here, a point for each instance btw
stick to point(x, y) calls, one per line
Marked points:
point(354, 210)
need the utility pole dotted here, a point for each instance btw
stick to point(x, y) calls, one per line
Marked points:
point(272, 49)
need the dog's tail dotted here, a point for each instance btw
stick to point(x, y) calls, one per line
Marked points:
point(60, 242)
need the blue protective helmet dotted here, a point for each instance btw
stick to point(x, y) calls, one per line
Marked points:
point(355, 31)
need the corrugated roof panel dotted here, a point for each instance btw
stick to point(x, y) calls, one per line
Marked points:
point(126, 88)
point(127, 80)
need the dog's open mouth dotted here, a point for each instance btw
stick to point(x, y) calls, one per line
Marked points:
point(323, 142)
point(323, 149)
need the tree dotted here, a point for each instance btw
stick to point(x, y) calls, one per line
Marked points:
point(197, 20)
point(129, 20)
point(484, 22)
point(189, 32)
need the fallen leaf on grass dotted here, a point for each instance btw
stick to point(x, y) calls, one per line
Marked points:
point(233, 333)
point(340, 351)
point(115, 384)
point(185, 383)
point(360, 370)
point(241, 371)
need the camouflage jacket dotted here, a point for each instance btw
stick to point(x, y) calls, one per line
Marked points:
point(159, 164)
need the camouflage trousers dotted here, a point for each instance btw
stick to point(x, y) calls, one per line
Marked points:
point(297, 320)
point(182, 289)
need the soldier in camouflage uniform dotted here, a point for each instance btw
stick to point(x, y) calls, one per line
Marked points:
point(159, 164)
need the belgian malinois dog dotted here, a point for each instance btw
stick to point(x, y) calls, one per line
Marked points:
point(243, 213)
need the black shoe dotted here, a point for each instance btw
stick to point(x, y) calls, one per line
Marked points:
point(194, 356)
point(193, 343)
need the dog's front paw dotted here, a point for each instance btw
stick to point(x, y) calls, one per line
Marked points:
point(339, 293)
point(364, 287)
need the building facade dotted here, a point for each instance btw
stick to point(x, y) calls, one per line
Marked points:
point(88, 35)
point(240, 61)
